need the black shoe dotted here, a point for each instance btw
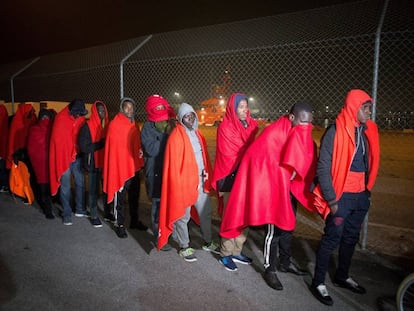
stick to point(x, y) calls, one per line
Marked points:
point(272, 280)
point(138, 225)
point(350, 284)
point(110, 218)
point(321, 293)
point(49, 216)
point(121, 232)
point(292, 268)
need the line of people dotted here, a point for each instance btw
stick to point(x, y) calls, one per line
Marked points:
point(259, 181)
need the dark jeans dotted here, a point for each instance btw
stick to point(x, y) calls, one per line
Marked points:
point(74, 169)
point(94, 180)
point(133, 198)
point(132, 186)
point(341, 229)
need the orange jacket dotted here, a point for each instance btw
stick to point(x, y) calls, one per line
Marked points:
point(19, 181)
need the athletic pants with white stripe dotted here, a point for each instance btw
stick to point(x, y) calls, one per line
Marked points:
point(278, 241)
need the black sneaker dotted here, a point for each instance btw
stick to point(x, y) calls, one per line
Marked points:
point(138, 225)
point(292, 268)
point(96, 222)
point(272, 280)
point(188, 254)
point(321, 293)
point(121, 232)
point(350, 284)
point(49, 216)
point(4, 189)
point(110, 218)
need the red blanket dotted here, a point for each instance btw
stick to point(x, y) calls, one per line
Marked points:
point(98, 130)
point(24, 118)
point(232, 141)
point(63, 146)
point(123, 154)
point(4, 131)
point(261, 192)
point(38, 149)
point(179, 180)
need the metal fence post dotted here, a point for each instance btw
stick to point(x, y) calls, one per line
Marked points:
point(14, 76)
point(374, 98)
point(121, 65)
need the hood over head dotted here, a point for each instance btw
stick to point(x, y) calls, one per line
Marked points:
point(127, 99)
point(232, 104)
point(183, 110)
point(353, 101)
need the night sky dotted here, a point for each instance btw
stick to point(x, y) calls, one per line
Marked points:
point(30, 28)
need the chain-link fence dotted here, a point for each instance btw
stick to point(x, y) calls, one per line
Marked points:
point(314, 56)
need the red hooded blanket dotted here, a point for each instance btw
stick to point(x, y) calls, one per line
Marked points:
point(344, 148)
point(123, 154)
point(261, 192)
point(98, 130)
point(24, 118)
point(232, 140)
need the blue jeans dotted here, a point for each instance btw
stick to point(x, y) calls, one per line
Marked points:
point(155, 217)
point(341, 229)
point(74, 169)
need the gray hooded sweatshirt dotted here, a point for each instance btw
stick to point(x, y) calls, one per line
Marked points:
point(198, 151)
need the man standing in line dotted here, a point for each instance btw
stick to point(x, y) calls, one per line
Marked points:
point(38, 151)
point(91, 144)
point(64, 159)
point(122, 162)
point(234, 135)
point(154, 137)
point(278, 166)
point(186, 183)
point(347, 169)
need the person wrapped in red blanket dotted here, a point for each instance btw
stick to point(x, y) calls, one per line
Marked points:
point(237, 131)
point(186, 182)
point(276, 171)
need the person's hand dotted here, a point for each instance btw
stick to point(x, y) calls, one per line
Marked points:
point(334, 209)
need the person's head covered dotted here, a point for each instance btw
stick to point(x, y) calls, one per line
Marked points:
point(357, 106)
point(157, 108)
point(77, 108)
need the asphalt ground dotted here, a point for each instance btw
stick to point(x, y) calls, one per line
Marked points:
point(45, 265)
